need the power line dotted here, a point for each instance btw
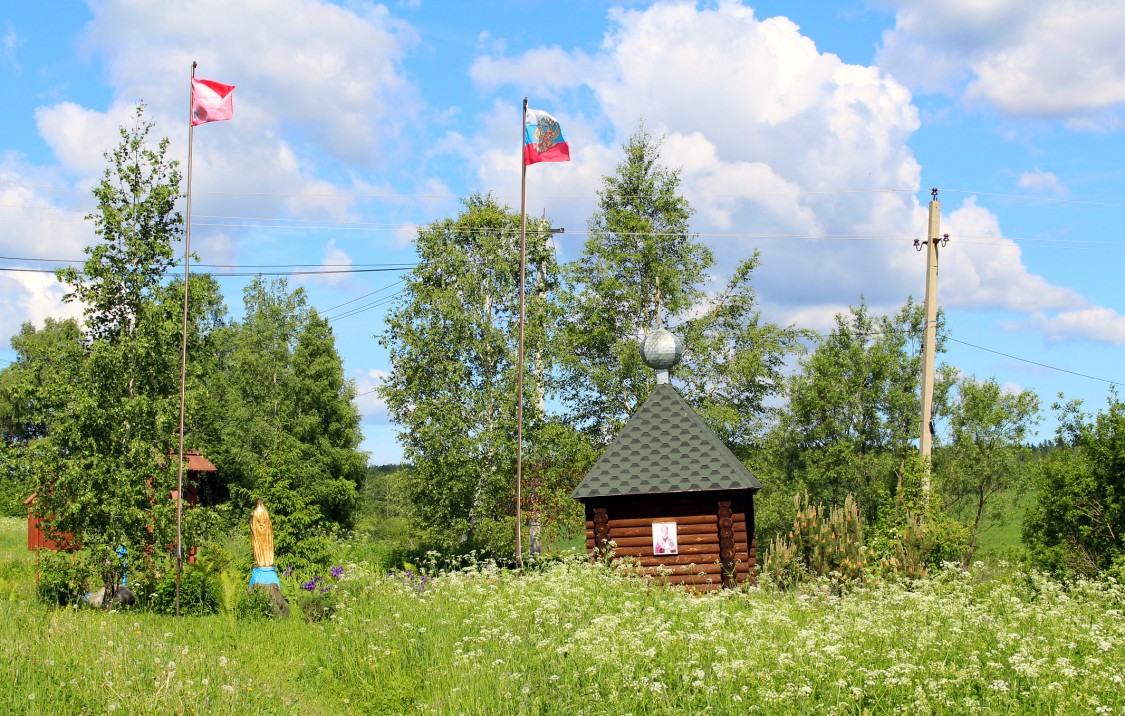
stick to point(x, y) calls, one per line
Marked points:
point(399, 197)
point(1043, 199)
point(240, 274)
point(946, 336)
point(360, 298)
point(366, 307)
point(393, 265)
point(1032, 362)
point(409, 227)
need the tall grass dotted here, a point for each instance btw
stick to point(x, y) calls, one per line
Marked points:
point(576, 638)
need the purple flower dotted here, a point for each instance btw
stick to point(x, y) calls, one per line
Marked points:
point(325, 589)
point(311, 584)
point(288, 571)
point(337, 572)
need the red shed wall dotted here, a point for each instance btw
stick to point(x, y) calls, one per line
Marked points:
point(36, 539)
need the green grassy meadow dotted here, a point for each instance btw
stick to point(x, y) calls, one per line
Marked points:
point(576, 638)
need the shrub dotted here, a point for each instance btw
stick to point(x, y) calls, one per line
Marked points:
point(914, 534)
point(64, 578)
point(782, 568)
point(819, 544)
point(316, 605)
point(254, 604)
point(200, 593)
point(1077, 524)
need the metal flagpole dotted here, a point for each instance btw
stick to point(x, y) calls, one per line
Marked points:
point(519, 359)
point(183, 355)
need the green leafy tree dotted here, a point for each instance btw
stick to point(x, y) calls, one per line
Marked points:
point(987, 454)
point(103, 460)
point(642, 269)
point(453, 353)
point(734, 363)
point(639, 266)
point(92, 414)
point(288, 432)
point(1077, 524)
point(853, 409)
point(27, 403)
point(33, 390)
point(137, 224)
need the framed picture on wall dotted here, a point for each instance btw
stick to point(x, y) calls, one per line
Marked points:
point(664, 539)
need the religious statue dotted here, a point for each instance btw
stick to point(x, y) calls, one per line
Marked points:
point(264, 572)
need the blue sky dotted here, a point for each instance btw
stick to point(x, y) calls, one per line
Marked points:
point(810, 131)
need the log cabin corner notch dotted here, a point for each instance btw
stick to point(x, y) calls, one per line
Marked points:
point(668, 469)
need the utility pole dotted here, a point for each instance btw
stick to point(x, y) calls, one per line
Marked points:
point(929, 341)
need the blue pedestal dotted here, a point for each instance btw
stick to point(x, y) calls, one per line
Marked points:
point(264, 575)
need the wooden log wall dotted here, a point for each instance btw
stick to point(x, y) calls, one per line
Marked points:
point(713, 529)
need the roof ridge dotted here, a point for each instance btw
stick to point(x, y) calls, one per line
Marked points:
point(665, 447)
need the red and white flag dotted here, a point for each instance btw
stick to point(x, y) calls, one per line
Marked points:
point(210, 101)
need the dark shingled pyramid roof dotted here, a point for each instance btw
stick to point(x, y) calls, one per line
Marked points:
point(665, 447)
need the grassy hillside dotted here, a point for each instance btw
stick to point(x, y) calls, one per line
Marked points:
point(576, 638)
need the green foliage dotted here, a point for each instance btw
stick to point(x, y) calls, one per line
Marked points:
point(13, 490)
point(28, 386)
point(983, 640)
point(200, 593)
point(1077, 524)
point(854, 408)
point(640, 265)
point(453, 353)
point(563, 457)
point(832, 542)
point(94, 411)
point(288, 433)
point(987, 455)
point(316, 551)
point(65, 578)
point(316, 605)
point(821, 543)
point(452, 345)
point(782, 567)
point(734, 364)
point(254, 605)
point(137, 223)
point(641, 269)
point(914, 535)
point(386, 510)
point(89, 415)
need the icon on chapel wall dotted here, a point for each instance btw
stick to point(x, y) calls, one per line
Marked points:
point(664, 540)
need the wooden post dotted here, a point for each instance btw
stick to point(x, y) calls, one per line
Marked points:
point(752, 541)
point(925, 432)
point(601, 532)
point(726, 544)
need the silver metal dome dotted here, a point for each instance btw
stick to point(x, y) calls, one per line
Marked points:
point(661, 350)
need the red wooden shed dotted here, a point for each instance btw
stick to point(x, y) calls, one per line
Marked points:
point(36, 538)
point(199, 487)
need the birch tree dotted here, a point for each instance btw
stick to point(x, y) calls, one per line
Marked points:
point(452, 384)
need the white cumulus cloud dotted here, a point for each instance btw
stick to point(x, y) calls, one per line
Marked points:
point(1095, 323)
point(1059, 58)
point(1042, 182)
point(781, 147)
